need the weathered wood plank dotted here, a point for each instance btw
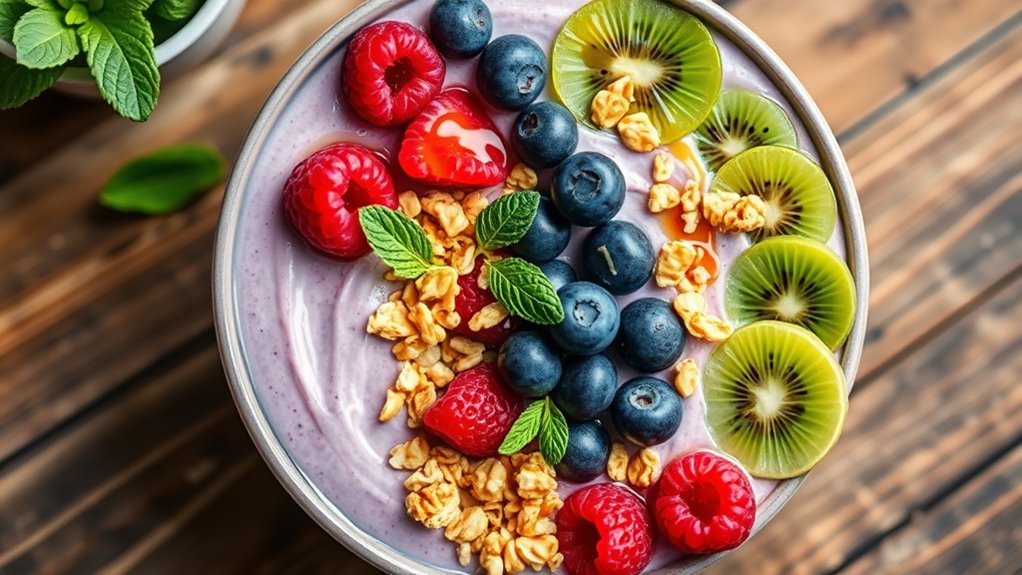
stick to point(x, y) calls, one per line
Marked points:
point(976, 530)
point(852, 56)
point(940, 182)
point(932, 419)
point(80, 286)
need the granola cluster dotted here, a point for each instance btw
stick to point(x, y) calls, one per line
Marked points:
point(640, 470)
point(418, 316)
point(686, 377)
point(521, 177)
point(691, 307)
point(498, 509)
point(609, 109)
point(678, 266)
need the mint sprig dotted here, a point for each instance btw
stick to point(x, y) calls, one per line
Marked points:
point(175, 9)
point(523, 289)
point(544, 419)
point(115, 36)
point(399, 241)
point(164, 180)
point(506, 220)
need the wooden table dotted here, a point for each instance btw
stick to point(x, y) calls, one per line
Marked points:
point(120, 448)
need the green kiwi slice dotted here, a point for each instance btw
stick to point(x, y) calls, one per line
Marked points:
point(668, 53)
point(796, 280)
point(741, 120)
point(799, 198)
point(775, 398)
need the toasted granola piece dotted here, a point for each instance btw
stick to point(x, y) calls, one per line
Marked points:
point(522, 177)
point(687, 377)
point(447, 211)
point(469, 526)
point(663, 167)
point(392, 406)
point(617, 464)
point(408, 201)
point(644, 468)
point(391, 321)
point(638, 132)
point(411, 454)
point(663, 197)
point(608, 109)
point(435, 506)
point(733, 213)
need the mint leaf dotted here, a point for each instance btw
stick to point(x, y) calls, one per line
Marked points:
point(399, 241)
point(19, 84)
point(553, 433)
point(10, 12)
point(164, 180)
point(77, 14)
point(118, 43)
point(43, 40)
point(175, 9)
point(506, 220)
point(524, 290)
point(524, 429)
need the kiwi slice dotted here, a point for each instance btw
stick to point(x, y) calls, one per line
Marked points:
point(668, 53)
point(775, 398)
point(798, 196)
point(741, 120)
point(796, 280)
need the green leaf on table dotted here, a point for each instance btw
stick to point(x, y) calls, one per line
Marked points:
point(175, 9)
point(399, 241)
point(43, 40)
point(523, 289)
point(10, 12)
point(163, 181)
point(524, 430)
point(118, 44)
point(19, 84)
point(506, 220)
point(553, 433)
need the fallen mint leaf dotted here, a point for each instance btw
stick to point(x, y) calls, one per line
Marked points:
point(163, 181)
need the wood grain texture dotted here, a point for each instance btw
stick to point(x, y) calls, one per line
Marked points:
point(852, 56)
point(976, 528)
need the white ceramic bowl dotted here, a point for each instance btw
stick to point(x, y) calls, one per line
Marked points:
point(189, 46)
point(238, 369)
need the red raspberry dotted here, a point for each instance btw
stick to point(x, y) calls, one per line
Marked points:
point(390, 71)
point(475, 413)
point(473, 298)
point(604, 529)
point(325, 190)
point(703, 503)
point(453, 143)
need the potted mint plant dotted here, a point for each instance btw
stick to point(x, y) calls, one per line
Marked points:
point(114, 49)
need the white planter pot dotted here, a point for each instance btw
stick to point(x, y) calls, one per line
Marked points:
point(192, 44)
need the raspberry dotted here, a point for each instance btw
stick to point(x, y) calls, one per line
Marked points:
point(470, 300)
point(325, 190)
point(703, 503)
point(476, 412)
point(453, 143)
point(390, 72)
point(604, 529)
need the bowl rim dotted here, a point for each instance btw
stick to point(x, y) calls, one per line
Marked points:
point(299, 485)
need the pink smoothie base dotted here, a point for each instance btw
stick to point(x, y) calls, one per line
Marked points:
point(319, 377)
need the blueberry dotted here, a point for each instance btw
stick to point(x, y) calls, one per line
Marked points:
point(544, 134)
point(559, 273)
point(618, 256)
point(651, 338)
point(511, 72)
point(547, 237)
point(587, 453)
point(587, 386)
point(588, 188)
point(646, 411)
point(591, 319)
point(530, 365)
point(460, 28)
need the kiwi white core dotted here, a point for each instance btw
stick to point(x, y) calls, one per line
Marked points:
point(644, 73)
point(789, 306)
point(769, 399)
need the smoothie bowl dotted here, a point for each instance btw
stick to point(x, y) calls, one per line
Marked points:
point(568, 286)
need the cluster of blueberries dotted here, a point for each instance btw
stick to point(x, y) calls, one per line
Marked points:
point(512, 69)
point(587, 189)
